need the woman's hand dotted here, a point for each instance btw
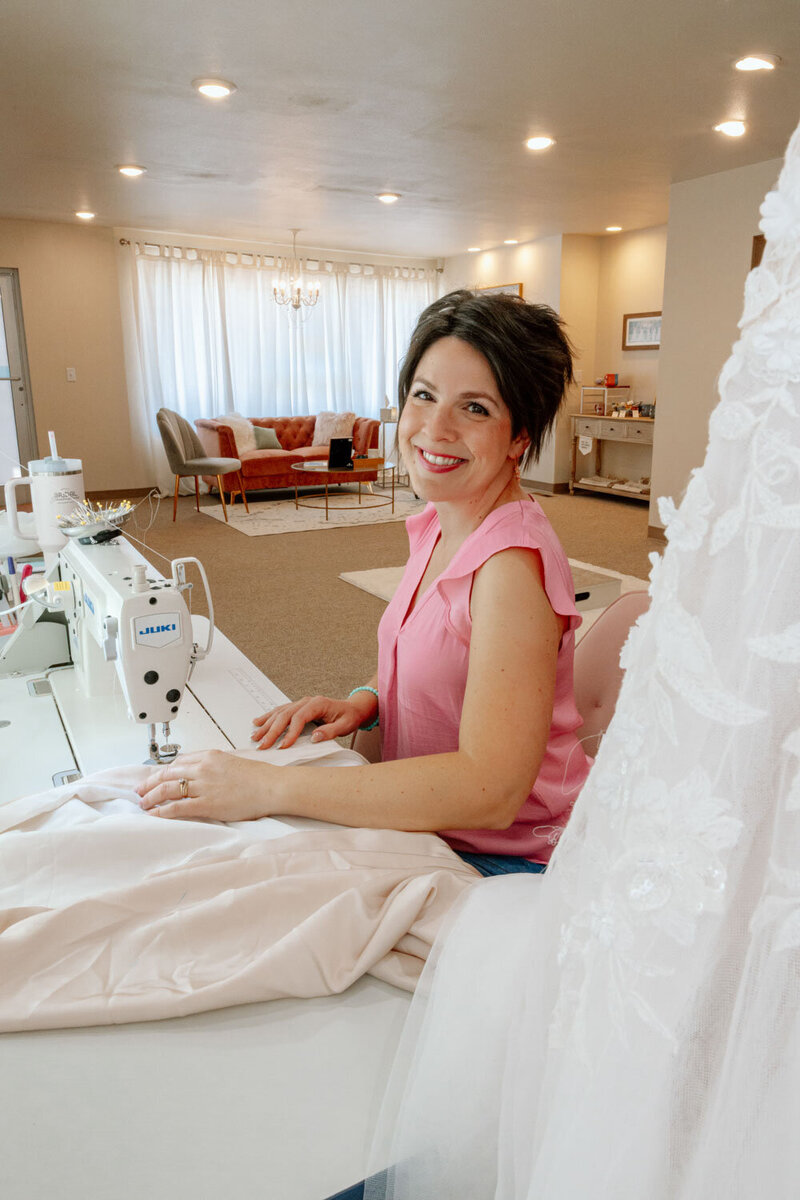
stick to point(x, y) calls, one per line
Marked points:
point(337, 717)
point(212, 784)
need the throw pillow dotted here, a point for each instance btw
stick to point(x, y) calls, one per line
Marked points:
point(243, 433)
point(266, 438)
point(331, 424)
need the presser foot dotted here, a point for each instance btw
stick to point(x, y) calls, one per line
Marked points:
point(165, 753)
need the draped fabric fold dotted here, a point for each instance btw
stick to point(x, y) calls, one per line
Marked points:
point(109, 915)
point(204, 336)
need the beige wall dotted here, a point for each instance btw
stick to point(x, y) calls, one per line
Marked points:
point(536, 265)
point(631, 280)
point(70, 307)
point(712, 222)
point(580, 279)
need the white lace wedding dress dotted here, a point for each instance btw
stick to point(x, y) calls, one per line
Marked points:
point(627, 1027)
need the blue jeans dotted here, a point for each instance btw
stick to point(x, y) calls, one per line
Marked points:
point(501, 864)
point(356, 1192)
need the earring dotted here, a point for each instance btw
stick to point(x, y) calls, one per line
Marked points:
point(516, 468)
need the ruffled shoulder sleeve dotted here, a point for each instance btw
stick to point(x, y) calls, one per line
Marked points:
point(420, 526)
point(522, 524)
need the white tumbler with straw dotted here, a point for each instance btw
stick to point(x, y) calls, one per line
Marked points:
point(56, 486)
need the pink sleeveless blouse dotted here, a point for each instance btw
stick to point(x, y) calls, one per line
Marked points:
point(423, 657)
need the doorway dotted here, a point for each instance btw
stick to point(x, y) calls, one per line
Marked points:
point(18, 441)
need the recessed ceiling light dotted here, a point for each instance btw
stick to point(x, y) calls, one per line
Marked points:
point(540, 143)
point(131, 171)
point(511, 242)
point(387, 197)
point(473, 249)
point(85, 216)
point(215, 89)
point(613, 229)
point(757, 62)
point(730, 128)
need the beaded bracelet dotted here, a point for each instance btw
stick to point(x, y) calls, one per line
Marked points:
point(366, 688)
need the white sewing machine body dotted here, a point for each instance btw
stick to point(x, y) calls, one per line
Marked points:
point(273, 1099)
point(112, 642)
point(144, 630)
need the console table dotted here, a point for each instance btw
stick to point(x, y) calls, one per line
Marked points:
point(630, 430)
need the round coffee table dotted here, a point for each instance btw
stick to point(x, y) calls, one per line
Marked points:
point(322, 473)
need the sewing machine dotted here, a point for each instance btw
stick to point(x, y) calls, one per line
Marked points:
point(105, 646)
point(128, 629)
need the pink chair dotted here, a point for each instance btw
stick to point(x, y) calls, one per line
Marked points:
point(598, 676)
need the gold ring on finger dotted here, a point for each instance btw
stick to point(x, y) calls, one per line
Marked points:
point(183, 784)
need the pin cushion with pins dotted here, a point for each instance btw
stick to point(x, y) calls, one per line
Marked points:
point(95, 522)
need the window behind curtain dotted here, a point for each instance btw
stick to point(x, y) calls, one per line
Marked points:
point(212, 339)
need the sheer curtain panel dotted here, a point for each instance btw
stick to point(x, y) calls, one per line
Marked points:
point(204, 336)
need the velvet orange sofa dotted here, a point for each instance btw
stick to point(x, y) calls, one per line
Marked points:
point(273, 468)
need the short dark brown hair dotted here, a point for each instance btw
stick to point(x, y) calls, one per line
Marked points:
point(525, 346)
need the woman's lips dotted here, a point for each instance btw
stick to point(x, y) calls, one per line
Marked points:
point(439, 464)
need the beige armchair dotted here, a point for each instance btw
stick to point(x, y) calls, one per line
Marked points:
point(186, 456)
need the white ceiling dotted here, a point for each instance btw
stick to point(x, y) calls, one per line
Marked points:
point(340, 99)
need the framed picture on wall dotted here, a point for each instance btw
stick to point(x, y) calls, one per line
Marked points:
point(501, 289)
point(641, 331)
point(757, 253)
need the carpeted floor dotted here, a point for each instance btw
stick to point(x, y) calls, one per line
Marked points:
point(280, 599)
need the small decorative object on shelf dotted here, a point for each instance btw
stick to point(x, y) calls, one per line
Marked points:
point(600, 398)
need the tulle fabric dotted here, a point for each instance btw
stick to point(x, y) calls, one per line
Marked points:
point(627, 1026)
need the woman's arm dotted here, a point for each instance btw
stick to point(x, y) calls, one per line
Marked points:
point(502, 738)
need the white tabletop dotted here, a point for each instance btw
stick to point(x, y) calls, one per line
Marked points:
point(262, 1102)
point(271, 1101)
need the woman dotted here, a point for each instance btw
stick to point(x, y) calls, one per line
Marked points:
point(474, 685)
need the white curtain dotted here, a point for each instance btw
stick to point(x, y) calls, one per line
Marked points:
point(204, 336)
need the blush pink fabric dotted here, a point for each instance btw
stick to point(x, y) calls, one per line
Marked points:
point(109, 915)
point(423, 657)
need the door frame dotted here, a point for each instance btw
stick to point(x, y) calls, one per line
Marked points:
point(22, 397)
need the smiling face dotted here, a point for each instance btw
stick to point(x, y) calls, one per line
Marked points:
point(455, 429)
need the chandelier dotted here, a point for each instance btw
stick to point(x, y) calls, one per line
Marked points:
point(292, 292)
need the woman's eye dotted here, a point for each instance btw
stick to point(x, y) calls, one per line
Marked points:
point(421, 394)
point(475, 407)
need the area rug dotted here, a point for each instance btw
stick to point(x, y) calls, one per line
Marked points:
point(596, 586)
point(281, 516)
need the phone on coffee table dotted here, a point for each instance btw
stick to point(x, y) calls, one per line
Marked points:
point(340, 457)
